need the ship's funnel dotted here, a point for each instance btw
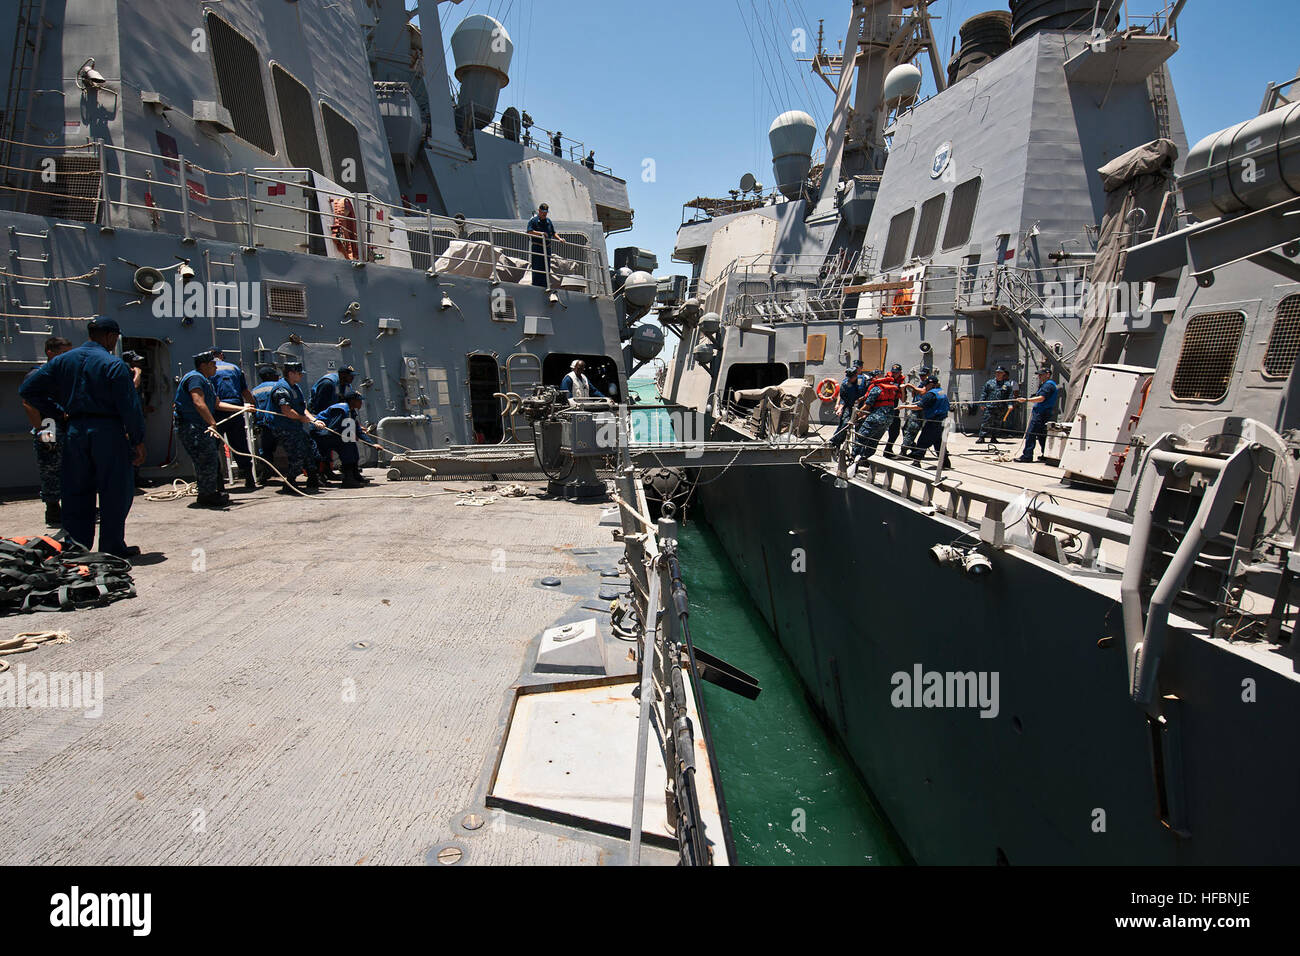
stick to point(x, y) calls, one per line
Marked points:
point(1029, 17)
point(791, 135)
point(902, 83)
point(482, 50)
point(984, 37)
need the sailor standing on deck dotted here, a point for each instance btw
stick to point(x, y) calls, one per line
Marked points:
point(232, 387)
point(287, 415)
point(196, 407)
point(852, 388)
point(895, 420)
point(932, 408)
point(996, 395)
point(1044, 402)
point(105, 434)
point(542, 230)
point(47, 439)
point(881, 404)
point(576, 384)
point(267, 377)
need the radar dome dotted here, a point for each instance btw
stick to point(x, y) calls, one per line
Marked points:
point(482, 50)
point(791, 136)
point(639, 289)
point(902, 83)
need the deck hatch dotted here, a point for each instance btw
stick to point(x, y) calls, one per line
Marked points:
point(239, 78)
point(1284, 340)
point(1208, 356)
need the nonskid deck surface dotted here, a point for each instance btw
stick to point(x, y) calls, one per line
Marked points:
point(242, 723)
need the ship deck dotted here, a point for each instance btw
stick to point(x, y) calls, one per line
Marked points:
point(303, 682)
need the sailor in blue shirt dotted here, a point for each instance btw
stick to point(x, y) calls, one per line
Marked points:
point(932, 407)
point(1044, 402)
point(286, 413)
point(196, 407)
point(105, 434)
point(852, 387)
point(996, 395)
point(47, 439)
point(542, 230)
point(331, 388)
point(342, 437)
point(231, 386)
point(266, 445)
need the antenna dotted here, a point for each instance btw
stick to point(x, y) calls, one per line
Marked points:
point(748, 183)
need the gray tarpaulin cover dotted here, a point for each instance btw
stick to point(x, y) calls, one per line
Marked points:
point(482, 260)
point(1135, 180)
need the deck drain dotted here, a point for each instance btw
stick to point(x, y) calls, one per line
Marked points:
point(447, 854)
point(361, 646)
point(550, 582)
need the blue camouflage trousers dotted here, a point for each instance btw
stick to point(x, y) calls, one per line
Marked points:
point(49, 460)
point(204, 451)
point(871, 428)
point(299, 449)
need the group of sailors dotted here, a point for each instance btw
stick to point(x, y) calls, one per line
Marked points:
point(870, 408)
point(88, 430)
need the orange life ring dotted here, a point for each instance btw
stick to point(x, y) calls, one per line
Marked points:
point(344, 227)
point(832, 385)
point(902, 304)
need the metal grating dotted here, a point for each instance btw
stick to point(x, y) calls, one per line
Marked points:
point(927, 230)
point(1284, 340)
point(239, 78)
point(1208, 356)
point(503, 308)
point(962, 214)
point(297, 120)
point(900, 229)
point(345, 150)
point(286, 300)
point(73, 193)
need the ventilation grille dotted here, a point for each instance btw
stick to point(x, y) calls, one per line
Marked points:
point(239, 78)
point(900, 228)
point(1208, 357)
point(74, 193)
point(286, 300)
point(1284, 341)
point(962, 214)
point(422, 256)
point(298, 121)
point(345, 150)
point(927, 230)
point(503, 308)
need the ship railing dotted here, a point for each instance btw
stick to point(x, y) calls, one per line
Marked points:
point(541, 139)
point(115, 186)
point(668, 674)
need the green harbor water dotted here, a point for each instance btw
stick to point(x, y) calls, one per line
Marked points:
point(791, 791)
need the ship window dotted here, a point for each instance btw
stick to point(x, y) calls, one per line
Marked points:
point(1208, 356)
point(900, 228)
point(962, 214)
point(1284, 340)
point(296, 120)
point(927, 229)
point(345, 150)
point(239, 79)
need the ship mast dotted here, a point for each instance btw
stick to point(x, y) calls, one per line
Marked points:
point(881, 35)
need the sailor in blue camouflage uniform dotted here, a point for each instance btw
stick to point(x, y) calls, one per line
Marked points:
point(267, 377)
point(852, 388)
point(932, 410)
point(288, 417)
point(879, 404)
point(896, 417)
point(196, 407)
point(47, 439)
point(997, 393)
point(344, 432)
point(231, 386)
point(105, 434)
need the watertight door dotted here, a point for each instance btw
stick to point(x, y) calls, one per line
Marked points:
point(523, 371)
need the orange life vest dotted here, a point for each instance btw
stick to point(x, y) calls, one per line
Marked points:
point(890, 392)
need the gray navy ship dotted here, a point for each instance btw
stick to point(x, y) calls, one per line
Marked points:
point(445, 667)
point(1087, 658)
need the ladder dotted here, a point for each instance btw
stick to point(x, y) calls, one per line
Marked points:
point(1159, 101)
point(1021, 298)
point(22, 85)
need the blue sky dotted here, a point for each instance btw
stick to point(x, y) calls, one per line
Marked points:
point(693, 84)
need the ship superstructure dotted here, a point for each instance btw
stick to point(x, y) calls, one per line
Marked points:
point(1131, 595)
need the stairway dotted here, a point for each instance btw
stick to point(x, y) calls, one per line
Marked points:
point(18, 100)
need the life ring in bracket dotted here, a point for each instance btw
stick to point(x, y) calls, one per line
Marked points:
point(344, 227)
point(828, 390)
